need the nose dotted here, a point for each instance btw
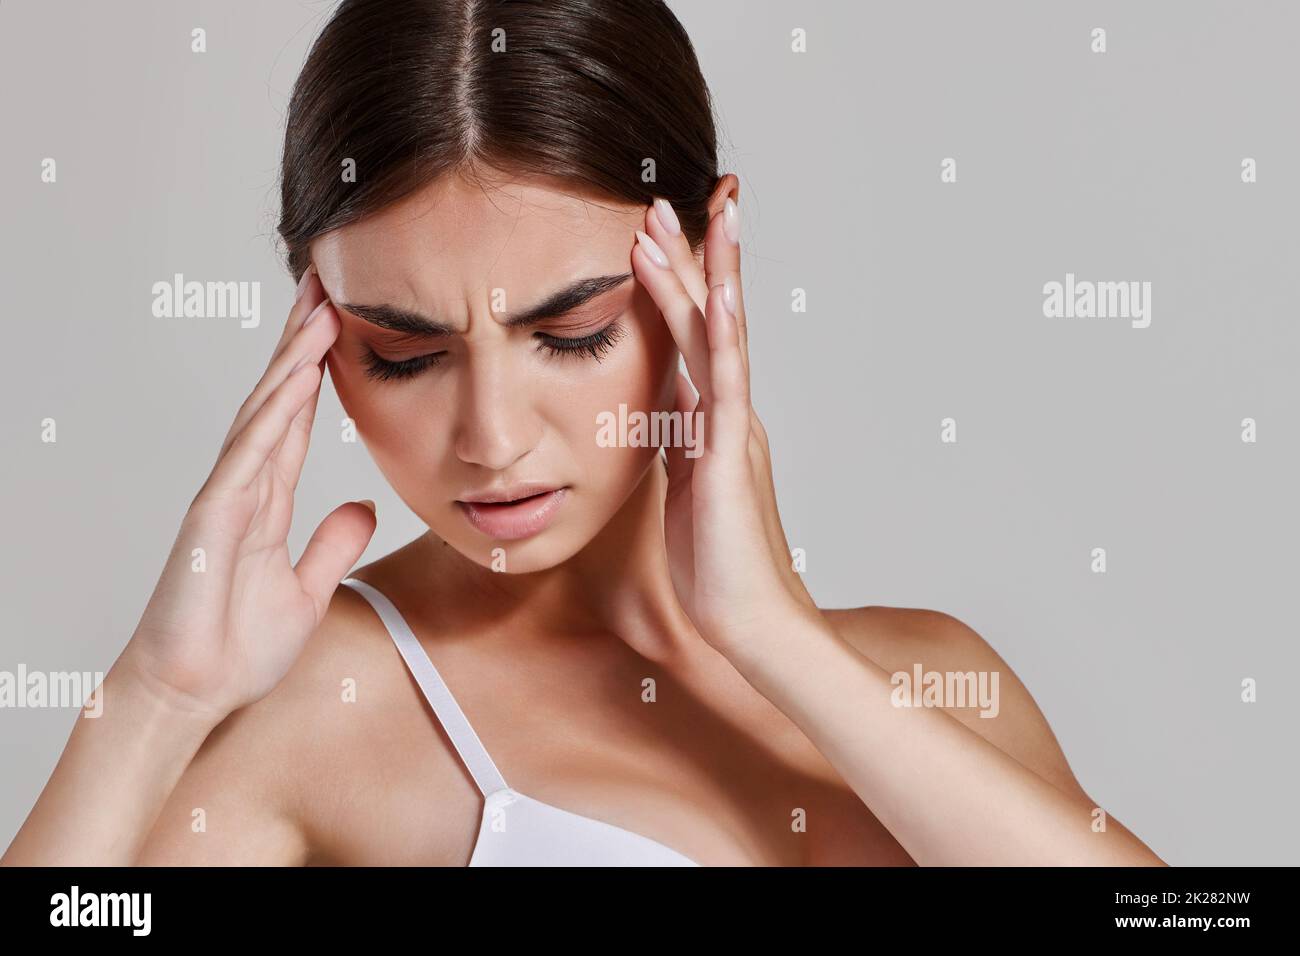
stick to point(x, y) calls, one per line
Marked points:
point(496, 424)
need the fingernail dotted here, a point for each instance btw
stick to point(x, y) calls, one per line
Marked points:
point(729, 294)
point(314, 313)
point(303, 283)
point(369, 504)
point(652, 250)
point(667, 218)
point(731, 221)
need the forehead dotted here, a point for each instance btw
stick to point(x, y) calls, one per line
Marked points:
point(457, 238)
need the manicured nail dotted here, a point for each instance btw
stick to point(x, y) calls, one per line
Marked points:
point(369, 504)
point(667, 218)
point(314, 313)
point(652, 250)
point(731, 221)
point(729, 294)
point(303, 283)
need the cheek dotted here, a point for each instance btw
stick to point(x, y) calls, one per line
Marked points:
point(653, 377)
point(640, 373)
point(386, 420)
point(361, 400)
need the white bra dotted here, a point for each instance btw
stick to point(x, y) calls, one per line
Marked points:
point(515, 829)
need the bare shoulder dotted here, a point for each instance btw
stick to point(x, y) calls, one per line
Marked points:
point(260, 789)
point(903, 640)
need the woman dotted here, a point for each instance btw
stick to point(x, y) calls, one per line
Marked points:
point(508, 225)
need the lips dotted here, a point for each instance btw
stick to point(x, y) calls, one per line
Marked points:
point(513, 513)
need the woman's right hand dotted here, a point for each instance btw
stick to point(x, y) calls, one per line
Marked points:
point(223, 628)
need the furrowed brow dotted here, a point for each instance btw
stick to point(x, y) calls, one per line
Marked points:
point(567, 299)
point(399, 320)
point(557, 304)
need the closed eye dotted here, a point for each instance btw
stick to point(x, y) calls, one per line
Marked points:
point(382, 369)
point(595, 345)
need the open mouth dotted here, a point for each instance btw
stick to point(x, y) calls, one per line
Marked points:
point(514, 518)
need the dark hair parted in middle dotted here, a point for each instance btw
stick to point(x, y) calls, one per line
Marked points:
point(411, 90)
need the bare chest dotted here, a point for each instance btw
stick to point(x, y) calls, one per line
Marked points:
point(704, 767)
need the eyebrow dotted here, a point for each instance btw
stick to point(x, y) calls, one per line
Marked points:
point(553, 306)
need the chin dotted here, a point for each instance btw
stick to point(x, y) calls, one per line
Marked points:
point(539, 552)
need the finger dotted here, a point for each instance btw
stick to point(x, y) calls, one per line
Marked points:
point(722, 259)
point(313, 337)
point(308, 297)
point(728, 408)
point(248, 453)
point(654, 270)
point(662, 225)
point(777, 540)
point(334, 548)
point(292, 450)
point(309, 294)
point(680, 465)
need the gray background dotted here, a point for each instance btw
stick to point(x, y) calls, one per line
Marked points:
point(924, 299)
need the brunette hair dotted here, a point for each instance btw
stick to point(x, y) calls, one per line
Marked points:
point(411, 90)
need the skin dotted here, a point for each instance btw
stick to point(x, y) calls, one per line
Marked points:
point(767, 709)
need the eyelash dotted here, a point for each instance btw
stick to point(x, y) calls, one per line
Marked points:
point(381, 370)
point(596, 346)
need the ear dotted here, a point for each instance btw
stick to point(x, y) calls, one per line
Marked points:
point(728, 185)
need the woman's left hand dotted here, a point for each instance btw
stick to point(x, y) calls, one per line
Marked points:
point(728, 554)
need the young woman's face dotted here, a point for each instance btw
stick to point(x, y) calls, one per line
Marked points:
point(469, 380)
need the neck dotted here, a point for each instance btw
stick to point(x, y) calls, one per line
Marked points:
point(618, 583)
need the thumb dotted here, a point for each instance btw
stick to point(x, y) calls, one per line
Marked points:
point(333, 550)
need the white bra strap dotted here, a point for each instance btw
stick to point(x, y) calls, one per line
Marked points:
point(466, 742)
